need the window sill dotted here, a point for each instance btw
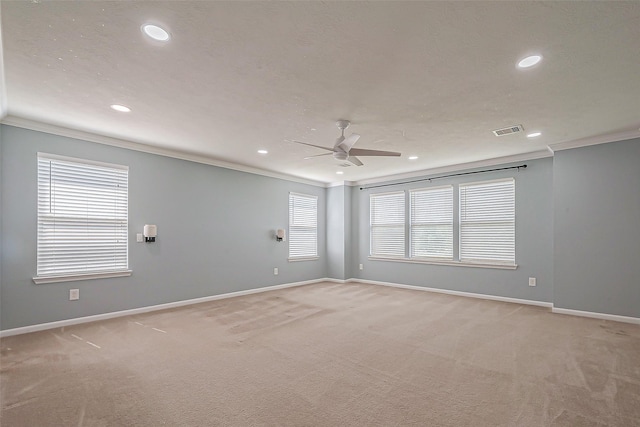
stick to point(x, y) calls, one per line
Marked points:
point(446, 262)
point(311, 258)
point(74, 277)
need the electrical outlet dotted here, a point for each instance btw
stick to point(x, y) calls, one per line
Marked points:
point(275, 271)
point(74, 294)
point(532, 281)
point(361, 267)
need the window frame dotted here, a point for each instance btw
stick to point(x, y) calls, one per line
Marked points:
point(306, 256)
point(389, 225)
point(413, 224)
point(455, 260)
point(120, 218)
point(508, 226)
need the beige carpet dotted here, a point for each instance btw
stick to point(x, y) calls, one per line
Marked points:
point(327, 355)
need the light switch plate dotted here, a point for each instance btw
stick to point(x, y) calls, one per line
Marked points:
point(139, 238)
point(74, 294)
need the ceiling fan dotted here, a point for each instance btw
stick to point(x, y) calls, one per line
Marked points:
point(342, 149)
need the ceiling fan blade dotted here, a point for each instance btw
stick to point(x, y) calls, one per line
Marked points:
point(367, 152)
point(354, 160)
point(348, 143)
point(311, 145)
point(317, 155)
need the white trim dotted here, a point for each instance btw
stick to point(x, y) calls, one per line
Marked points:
point(311, 196)
point(142, 147)
point(456, 293)
point(38, 280)
point(304, 258)
point(113, 314)
point(3, 80)
point(602, 316)
point(445, 262)
point(341, 184)
point(341, 281)
point(48, 156)
point(595, 140)
point(455, 168)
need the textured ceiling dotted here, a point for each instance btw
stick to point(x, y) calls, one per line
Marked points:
point(429, 79)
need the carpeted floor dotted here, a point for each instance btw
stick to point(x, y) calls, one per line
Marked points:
point(327, 355)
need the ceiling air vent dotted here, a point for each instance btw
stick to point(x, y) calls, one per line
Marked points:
point(509, 130)
point(344, 165)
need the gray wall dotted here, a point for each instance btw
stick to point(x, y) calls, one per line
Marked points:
point(335, 233)
point(339, 233)
point(597, 228)
point(577, 232)
point(534, 241)
point(215, 232)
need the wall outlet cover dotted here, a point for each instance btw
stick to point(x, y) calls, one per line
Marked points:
point(74, 294)
point(532, 281)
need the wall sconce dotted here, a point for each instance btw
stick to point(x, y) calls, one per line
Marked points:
point(281, 235)
point(150, 232)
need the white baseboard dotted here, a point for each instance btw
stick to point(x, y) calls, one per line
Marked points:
point(104, 316)
point(457, 293)
point(602, 316)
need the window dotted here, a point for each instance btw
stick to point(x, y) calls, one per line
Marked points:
point(303, 226)
point(431, 219)
point(82, 219)
point(387, 224)
point(482, 219)
point(487, 222)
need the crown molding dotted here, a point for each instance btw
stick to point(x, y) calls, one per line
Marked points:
point(340, 184)
point(138, 146)
point(3, 82)
point(595, 140)
point(533, 155)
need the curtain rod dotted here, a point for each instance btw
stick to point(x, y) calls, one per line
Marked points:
point(445, 176)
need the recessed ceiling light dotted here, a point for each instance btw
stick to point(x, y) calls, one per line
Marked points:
point(120, 108)
point(529, 61)
point(262, 151)
point(534, 134)
point(340, 172)
point(413, 157)
point(155, 32)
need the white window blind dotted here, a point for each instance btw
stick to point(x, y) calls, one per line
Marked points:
point(487, 222)
point(82, 217)
point(303, 226)
point(431, 213)
point(387, 224)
